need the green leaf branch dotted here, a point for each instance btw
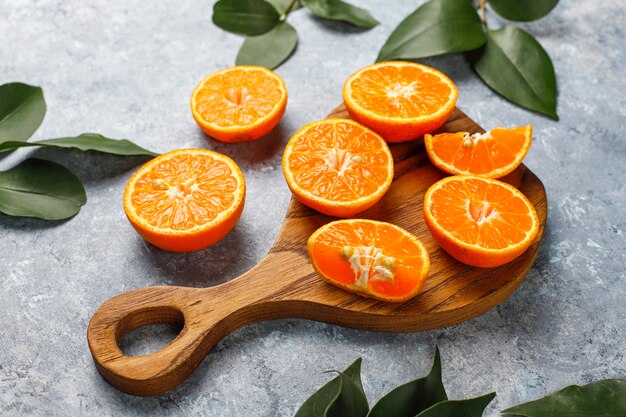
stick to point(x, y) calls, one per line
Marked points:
point(36, 187)
point(509, 60)
point(343, 396)
point(85, 142)
point(270, 39)
point(423, 397)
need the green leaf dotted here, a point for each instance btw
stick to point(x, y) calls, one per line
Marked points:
point(435, 28)
point(350, 401)
point(515, 65)
point(473, 407)
point(245, 17)
point(22, 109)
point(410, 399)
point(318, 403)
point(40, 188)
point(270, 49)
point(85, 142)
point(605, 398)
point(281, 6)
point(342, 11)
point(522, 10)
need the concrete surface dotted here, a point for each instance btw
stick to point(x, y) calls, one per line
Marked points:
point(126, 69)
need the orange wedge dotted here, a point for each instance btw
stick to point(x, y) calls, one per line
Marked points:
point(480, 221)
point(370, 258)
point(337, 167)
point(493, 154)
point(185, 200)
point(400, 100)
point(239, 104)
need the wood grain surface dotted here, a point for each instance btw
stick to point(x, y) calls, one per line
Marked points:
point(283, 284)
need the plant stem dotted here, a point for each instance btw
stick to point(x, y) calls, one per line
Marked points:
point(483, 12)
point(288, 9)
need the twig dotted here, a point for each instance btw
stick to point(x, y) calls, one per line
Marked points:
point(288, 9)
point(483, 12)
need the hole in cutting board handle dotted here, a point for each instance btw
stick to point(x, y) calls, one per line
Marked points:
point(149, 339)
point(149, 330)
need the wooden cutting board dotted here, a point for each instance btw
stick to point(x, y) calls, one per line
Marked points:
point(283, 284)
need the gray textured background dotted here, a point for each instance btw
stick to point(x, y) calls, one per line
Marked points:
point(127, 69)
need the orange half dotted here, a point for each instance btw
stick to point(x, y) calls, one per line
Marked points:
point(493, 154)
point(239, 104)
point(373, 259)
point(400, 100)
point(185, 200)
point(337, 167)
point(480, 221)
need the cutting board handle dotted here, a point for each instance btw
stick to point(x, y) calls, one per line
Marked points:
point(206, 314)
point(158, 371)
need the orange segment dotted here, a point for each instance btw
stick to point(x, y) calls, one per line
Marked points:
point(493, 154)
point(337, 167)
point(400, 100)
point(239, 104)
point(480, 221)
point(370, 258)
point(185, 200)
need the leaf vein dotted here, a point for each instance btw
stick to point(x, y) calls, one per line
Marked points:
point(58, 197)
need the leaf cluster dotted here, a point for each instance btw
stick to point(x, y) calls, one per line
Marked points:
point(36, 187)
point(422, 397)
point(509, 60)
point(270, 39)
point(343, 396)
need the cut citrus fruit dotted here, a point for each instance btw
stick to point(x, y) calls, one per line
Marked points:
point(400, 100)
point(480, 221)
point(493, 154)
point(239, 104)
point(373, 259)
point(185, 200)
point(337, 167)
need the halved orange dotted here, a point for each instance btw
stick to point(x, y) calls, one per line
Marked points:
point(493, 154)
point(480, 221)
point(239, 104)
point(185, 200)
point(337, 167)
point(400, 100)
point(373, 259)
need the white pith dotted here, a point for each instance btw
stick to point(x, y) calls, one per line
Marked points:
point(340, 160)
point(401, 91)
point(366, 260)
